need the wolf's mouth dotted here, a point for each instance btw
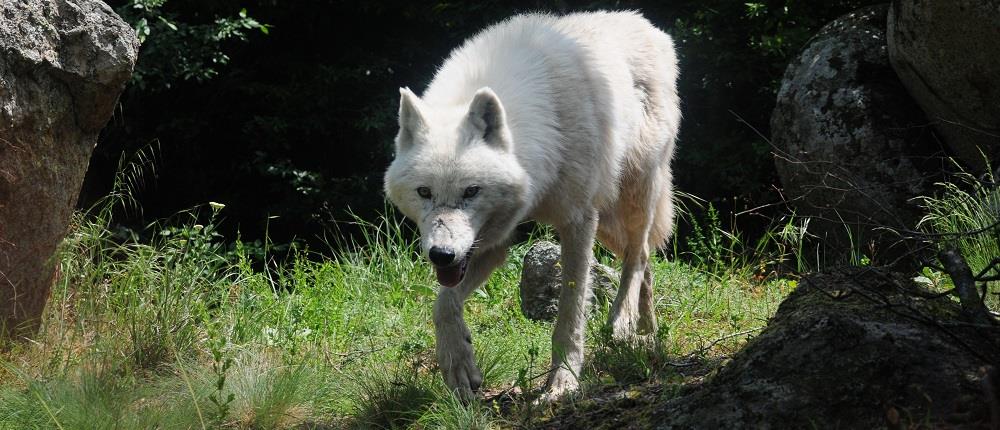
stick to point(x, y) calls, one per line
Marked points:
point(450, 276)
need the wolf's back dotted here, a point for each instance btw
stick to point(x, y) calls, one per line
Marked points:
point(579, 90)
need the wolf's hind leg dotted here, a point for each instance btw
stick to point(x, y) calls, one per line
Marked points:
point(647, 308)
point(660, 231)
point(638, 225)
point(626, 312)
point(454, 341)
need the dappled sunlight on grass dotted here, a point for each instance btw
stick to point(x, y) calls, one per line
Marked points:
point(179, 331)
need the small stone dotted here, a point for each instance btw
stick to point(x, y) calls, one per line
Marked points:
point(541, 281)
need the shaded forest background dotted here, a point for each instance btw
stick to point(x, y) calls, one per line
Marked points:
point(285, 111)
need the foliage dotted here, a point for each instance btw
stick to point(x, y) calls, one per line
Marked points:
point(294, 128)
point(176, 330)
point(707, 244)
point(176, 50)
point(782, 247)
point(965, 213)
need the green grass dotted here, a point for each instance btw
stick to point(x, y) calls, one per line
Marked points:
point(180, 331)
point(966, 212)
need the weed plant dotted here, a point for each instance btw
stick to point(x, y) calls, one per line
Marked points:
point(965, 214)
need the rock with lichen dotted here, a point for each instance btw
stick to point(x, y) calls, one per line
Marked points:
point(946, 53)
point(62, 66)
point(851, 144)
point(541, 281)
point(853, 348)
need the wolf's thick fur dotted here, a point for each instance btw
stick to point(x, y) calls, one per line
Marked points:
point(567, 120)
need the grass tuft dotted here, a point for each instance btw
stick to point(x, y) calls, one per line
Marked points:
point(387, 399)
point(966, 211)
point(177, 327)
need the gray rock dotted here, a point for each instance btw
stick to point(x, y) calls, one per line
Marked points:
point(851, 144)
point(946, 53)
point(836, 356)
point(847, 349)
point(62, 66)
point(541, 281)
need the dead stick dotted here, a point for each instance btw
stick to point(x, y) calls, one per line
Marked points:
point(965, 285)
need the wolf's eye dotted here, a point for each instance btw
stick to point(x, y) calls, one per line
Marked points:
point(424, 192)
point(471, 192)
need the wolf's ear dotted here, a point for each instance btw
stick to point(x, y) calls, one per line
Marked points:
point(411, 121)
point(487, 118)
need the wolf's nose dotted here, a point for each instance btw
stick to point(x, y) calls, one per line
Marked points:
point(442, 256)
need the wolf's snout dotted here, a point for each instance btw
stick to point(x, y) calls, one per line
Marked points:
point(442, 256)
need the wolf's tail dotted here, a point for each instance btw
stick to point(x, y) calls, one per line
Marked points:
point(663, 218)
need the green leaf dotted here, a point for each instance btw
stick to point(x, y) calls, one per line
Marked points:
point(169, 24)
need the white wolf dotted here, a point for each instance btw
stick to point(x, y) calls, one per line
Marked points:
point(566, 120)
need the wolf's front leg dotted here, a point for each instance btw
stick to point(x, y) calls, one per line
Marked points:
point(454, 341)
point(454, 345)
point(568, 336)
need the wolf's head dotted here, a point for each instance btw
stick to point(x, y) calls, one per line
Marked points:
point(457, 178)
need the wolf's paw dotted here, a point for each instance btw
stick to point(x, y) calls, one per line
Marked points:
point(624, 325)
point(458, 365)
point(561, 382)
point(647, 322)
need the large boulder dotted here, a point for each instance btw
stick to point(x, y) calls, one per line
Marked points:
point(62, 66)
point(859, 348)
point(946, 53)
point(855, 349)
point(541, 281)
point(851, 145)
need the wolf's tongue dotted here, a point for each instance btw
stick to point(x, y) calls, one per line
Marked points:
point(449, 276)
